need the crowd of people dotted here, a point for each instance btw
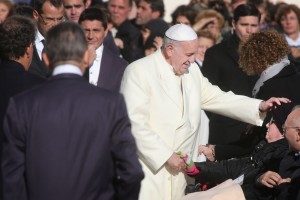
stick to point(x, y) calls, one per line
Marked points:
point(106, 100)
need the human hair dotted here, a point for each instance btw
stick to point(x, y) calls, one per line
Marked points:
point(168, 41)
point(206, 34)
point(262, 50)
point(38, 4)
point(93, 13)
point(283, 10)
point(157, 5)
point(130, 2)
point(16, 35)
point(210, 14)
point(9, 5)
point(189, 12)
point(22, 9)
point(245, 10)
point(65, 42)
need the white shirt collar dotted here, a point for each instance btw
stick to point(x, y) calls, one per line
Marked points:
point(66, 68)
point(39, 37)
point(293, 42)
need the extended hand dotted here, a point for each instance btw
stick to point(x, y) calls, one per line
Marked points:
point(272, 103)
point(207, 151)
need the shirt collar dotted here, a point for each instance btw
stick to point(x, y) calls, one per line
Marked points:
point(66, 68)
point(39, 37)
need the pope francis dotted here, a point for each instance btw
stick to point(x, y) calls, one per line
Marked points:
point(165, 93)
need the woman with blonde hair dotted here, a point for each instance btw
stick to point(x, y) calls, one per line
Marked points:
point(212, 21)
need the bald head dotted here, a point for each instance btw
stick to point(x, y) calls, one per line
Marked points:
point(292, 129)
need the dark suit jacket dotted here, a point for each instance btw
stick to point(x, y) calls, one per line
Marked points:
point(130, 36)
point(69, 140)
point(111, 70)
point(38, 67)
point(221, 68)
point(289, 168)
point(13, 80)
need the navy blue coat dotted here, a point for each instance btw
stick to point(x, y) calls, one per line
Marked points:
point(69, 140)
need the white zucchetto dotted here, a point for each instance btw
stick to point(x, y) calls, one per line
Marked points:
point(181, 32)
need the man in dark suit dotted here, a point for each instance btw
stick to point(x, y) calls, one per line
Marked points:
point(16, 46)
point(107, 69)
point(47, 14)
point(68, 139)
point(221, 67)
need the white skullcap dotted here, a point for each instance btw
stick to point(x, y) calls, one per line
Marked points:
point(181, 32)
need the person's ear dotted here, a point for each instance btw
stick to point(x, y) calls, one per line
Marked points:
point(155, 14)
point(46, 59)
point(35, 15)
point(85, 61)
point(169, 50)
point(29, 51)
point(88, 3)
point(233, 24)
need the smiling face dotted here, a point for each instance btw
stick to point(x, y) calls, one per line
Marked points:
point(94, 32)
point(181, 54)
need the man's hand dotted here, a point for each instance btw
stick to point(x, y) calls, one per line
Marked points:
point(176, 163)
point(271, 179)
point(272, 103)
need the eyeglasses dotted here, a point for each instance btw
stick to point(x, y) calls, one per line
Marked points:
point(51, 21)
point(284, 128)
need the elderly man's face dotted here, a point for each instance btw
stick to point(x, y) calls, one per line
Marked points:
point(273, 133)
point(292, 130)
point(119, 10)
point(182, 55)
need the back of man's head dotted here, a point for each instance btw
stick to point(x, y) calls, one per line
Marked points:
point(93, 14)
point(16, 35)
point(245, 10)
point(65, 43)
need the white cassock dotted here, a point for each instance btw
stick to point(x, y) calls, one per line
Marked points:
point(166, 118)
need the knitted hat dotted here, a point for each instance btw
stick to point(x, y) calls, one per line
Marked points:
point(279, 115)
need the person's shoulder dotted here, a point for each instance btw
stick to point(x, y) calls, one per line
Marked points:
point(115, 57)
